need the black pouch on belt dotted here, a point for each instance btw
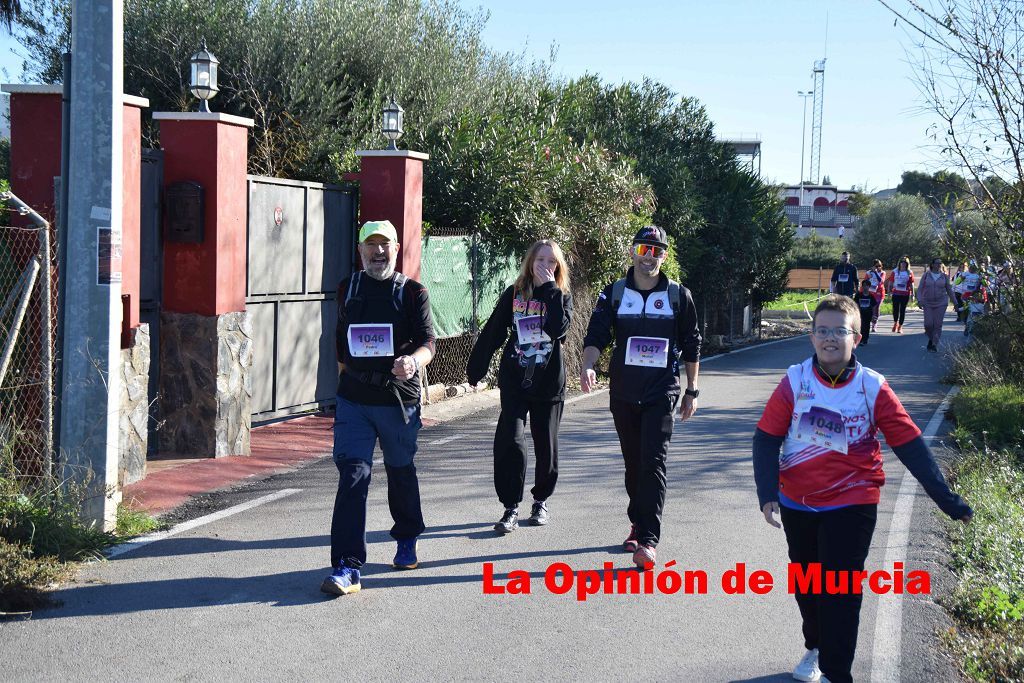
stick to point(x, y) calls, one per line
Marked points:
point(386, 381)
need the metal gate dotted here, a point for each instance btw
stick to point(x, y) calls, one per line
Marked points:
point(301, 243)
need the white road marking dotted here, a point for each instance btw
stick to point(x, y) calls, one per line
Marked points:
point(887, 648)
point(145, 540)
point(447, 439)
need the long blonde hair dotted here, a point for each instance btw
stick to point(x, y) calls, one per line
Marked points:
point(524, 283)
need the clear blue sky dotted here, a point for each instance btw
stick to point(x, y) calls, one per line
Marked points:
point(744, 60)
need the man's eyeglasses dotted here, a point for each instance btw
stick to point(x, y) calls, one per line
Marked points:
point(649, 249)
point(837, 332)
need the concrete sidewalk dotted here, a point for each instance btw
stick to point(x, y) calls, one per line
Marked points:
point(276, 448)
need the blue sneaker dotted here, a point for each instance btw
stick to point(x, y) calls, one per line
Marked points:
point(405, 556)
point(342, 581)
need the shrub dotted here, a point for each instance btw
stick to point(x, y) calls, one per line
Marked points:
point(21, 575)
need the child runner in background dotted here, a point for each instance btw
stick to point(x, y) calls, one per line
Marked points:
point(867, 304)
point(877, 275)
point(824, 416)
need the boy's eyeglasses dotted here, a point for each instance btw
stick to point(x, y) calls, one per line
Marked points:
point(649, 249)
point(837, 332)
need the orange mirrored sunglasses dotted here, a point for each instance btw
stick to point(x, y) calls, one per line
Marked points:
point(645, 249)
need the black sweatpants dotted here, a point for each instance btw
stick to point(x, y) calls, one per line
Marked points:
point(644, 434)
point(899, 307)
point(839, 539)
point(865, 323)
point(510, 448)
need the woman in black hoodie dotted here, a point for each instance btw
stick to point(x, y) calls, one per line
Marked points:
point(534, 315)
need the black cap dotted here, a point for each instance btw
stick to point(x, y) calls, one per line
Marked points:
point(651, 234)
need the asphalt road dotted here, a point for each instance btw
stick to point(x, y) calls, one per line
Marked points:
point(239, 598)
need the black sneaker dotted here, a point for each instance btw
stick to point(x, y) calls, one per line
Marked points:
point(932, 348)
point(539, 514)
point(509, 521)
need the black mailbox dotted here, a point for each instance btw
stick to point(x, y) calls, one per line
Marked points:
point(185, 212)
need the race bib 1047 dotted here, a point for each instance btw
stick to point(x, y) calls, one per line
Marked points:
point(844, 277)
point(650, 352)
point(371, 340)
point(530, 329)
point(822, 427)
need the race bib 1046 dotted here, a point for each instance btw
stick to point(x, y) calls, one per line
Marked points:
point(371, 340)
point(650, 352)
point(822, 427)
point(530, 329)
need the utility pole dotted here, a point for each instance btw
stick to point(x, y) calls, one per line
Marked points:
point(803, 140)
point(92, 310)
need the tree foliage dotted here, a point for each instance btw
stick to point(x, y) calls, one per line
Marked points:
point(970, 71)
point(815, 251)
point(895, 227)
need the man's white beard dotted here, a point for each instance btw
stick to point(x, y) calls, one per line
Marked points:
point(388, 271)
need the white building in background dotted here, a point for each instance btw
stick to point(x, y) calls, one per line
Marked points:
point(819, 208)
point(5, 116)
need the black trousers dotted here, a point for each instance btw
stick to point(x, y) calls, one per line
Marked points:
point(510, 448)
point(899, 307)
point(865, 323)
point(644, 434)
point(838, 539)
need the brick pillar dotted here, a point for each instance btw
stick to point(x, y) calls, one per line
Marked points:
point(391, 188)
point(35, 162)
point(206, 338)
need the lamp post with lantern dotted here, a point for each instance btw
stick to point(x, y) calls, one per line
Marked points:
point(203, 83)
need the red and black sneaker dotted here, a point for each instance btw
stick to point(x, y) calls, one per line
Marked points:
point(631, 543)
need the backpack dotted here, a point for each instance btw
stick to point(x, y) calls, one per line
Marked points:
point(620, 286)
point(398, 285)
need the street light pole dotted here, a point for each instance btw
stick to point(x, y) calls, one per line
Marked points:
point(803, 140)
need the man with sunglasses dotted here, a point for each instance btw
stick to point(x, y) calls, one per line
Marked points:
point(654, 325)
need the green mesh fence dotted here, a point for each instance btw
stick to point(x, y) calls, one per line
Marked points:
point(464, 280)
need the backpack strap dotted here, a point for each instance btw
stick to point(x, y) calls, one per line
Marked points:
point(398, 285)
point(353, 286)
point(618, 289)
point(674, 296)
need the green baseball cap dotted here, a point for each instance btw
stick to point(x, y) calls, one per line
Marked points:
point(384, 228)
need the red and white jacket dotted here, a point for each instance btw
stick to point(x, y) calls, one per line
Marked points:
point(900, 281)
point(831, 456)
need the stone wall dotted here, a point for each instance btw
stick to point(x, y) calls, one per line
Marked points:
point(205, 384)
point(133, 440)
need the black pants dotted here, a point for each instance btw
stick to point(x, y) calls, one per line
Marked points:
point(899, 307)
point(838, 539)
point(644, 434)
point(510, 448)
point(865, 323)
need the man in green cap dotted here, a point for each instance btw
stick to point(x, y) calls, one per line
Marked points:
point(385, 336)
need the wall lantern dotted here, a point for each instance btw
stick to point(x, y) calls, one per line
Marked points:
point(204, 77)
point(392, 128)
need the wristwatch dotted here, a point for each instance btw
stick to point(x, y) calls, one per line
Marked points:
point(692, 392)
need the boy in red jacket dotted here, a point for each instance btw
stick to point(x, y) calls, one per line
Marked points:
point(824, 417)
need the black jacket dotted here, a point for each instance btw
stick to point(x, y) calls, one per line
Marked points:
point(548, 374)
point(645, 314)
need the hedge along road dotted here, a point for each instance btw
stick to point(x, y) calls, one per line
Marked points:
point(239, 597)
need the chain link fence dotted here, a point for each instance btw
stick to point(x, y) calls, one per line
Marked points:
point(464, 278)
point(27, 333)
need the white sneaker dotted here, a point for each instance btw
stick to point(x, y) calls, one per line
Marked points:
point(807, 669)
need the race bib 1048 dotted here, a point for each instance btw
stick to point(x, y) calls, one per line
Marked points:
point(822, 427)
point(530, 329)
point(371, 340)
point(650, 352)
